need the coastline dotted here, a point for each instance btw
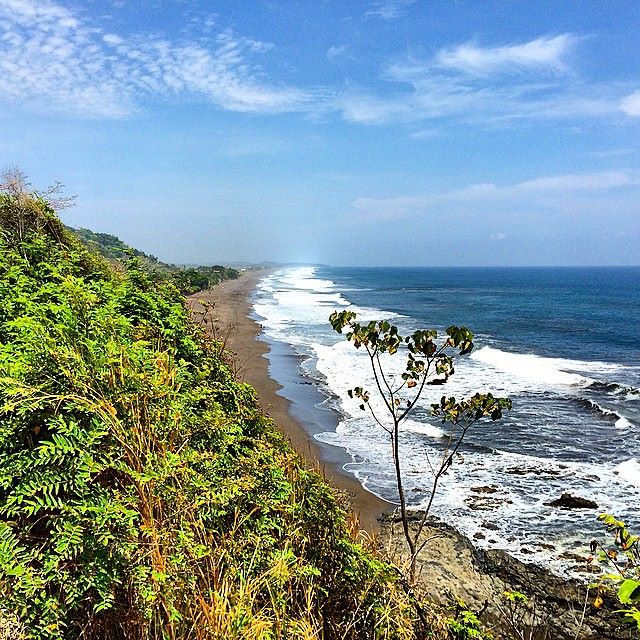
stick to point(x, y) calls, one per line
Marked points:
point(451, 558)
point(240, 334)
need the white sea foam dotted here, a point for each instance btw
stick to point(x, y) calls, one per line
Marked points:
point(541, 370)
point(630, 471)
point(520, 486)
point(295, 305)
point(292, 302)
point(621, 422)
point(422, 428)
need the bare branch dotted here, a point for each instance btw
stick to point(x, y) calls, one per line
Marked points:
point(52, 195)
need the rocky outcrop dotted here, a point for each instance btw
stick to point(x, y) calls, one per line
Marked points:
point(450, 566)
point(567, 501)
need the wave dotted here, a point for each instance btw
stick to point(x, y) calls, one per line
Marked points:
point(423, 428)
point(531, 367)
point(621, 422)
point(630, 393)
point(297, 298)
point(629, 470)
point(543, 370)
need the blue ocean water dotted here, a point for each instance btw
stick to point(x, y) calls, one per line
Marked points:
point(562, 343)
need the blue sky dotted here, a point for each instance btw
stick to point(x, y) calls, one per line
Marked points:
point(392, 132)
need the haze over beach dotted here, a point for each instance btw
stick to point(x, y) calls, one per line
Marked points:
point(198, 440)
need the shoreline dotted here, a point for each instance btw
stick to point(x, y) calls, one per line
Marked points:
point(240, 334)
point(452, 559)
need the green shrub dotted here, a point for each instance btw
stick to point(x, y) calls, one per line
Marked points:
point(142, 493)
point(623, 565)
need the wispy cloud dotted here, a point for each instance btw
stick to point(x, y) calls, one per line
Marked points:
point(546, 191)
point(546, 54)
point(334, 53)
point(531, 80)
point(610, 153)
point(423, 134)
point(631, 104)
point(55, 60)
point(389, 9)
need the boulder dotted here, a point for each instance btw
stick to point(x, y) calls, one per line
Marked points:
point(567, 501)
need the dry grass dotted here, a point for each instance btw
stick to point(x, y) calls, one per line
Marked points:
point(10, 627)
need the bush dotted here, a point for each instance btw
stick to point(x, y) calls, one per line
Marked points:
point(623, 563)
point(142, 493)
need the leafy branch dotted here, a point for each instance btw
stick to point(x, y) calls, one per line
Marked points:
point(427, 362)
point(624, 561)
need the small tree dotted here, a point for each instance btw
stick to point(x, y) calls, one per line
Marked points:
point(23, 210)
point(427, 363)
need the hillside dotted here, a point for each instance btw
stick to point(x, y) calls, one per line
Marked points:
point(187, 279)
point(142, 493)
point(112, 248)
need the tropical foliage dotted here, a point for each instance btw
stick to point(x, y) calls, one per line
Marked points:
point(186, 279)
point(622, 563)
point(142, 493)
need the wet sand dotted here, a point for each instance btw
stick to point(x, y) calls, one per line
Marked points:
point(240, 335)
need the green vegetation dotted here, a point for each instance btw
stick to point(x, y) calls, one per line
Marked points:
point(112, 248)
point(425, 359)
point(623, 565)
point(142, 493)
point(186, 279)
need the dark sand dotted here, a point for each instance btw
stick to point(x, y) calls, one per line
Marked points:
point(240, 334)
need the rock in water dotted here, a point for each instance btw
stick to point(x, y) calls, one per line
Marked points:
point(567, 501)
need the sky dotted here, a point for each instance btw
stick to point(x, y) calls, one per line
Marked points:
point(345, 132)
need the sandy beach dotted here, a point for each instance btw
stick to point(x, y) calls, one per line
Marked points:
point(240, 334)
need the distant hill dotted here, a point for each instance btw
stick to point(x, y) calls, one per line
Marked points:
point(112, 248)
point(187, 279)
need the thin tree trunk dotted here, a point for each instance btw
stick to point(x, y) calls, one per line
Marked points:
point(403, 503)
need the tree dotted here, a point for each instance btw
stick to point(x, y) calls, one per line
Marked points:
point(23, 211)
point(427, 363)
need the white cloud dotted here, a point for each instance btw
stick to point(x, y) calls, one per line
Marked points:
point(424, 134)
point(336, 52)
point(52, 59)
point(631, 104)
point(111, 38)
point(543, 191)
point(365, 108)
point(477, 84)
point(599, 181)
point(610, 153)
point(546, 53)
point(389, 9)
point(441, 97)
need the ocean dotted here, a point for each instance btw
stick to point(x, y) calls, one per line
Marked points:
point(562, 343)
